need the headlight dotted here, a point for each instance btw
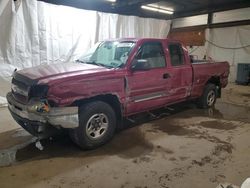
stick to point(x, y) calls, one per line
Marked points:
point(39, 91)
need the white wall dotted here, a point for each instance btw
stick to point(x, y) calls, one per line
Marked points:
point(231, 15)
point(217, 17)
point(190, 21)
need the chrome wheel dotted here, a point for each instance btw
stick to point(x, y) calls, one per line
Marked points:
point(97, 125)
point(211, 98)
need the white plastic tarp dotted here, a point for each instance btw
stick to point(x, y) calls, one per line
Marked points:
point(33, 33)
point(235, 38)
point(230, 44)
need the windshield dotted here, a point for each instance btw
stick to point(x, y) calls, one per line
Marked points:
point(111, 54)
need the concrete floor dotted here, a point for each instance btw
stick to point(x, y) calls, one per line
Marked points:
point(185, 147)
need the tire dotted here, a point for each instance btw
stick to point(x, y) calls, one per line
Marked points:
point(97, 123)
point(208, 97)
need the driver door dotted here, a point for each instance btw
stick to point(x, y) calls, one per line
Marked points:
point(147, 84)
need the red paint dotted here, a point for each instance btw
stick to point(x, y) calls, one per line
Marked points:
point(69, 82)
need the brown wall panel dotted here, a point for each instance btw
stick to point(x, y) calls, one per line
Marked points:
point(190, 37)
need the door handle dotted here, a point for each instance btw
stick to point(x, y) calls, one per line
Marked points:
point(166, 76)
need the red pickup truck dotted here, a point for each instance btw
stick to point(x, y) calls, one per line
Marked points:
point(113, 80)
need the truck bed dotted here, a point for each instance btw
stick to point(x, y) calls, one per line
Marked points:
point(207, 69)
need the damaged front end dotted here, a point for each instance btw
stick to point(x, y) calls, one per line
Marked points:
point(39, 118)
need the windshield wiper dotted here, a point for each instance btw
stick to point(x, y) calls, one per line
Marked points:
point(88, 62)
point(94, 63)
point(80, 61)
point(98, 64)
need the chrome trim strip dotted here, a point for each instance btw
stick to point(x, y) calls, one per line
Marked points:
point(26, 115)
point(148, 98)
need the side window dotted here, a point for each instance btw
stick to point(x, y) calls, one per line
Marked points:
point(176, 54)
point(153, 53)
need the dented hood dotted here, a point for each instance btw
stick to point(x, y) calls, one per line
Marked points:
point(43, 72)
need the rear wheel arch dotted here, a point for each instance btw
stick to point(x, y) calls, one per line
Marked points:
point(215, 80)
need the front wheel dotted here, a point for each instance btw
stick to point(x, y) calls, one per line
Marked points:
point(208, 97)
point(97, 122)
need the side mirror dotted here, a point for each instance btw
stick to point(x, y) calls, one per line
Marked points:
point(140, 65)
point(193, 58)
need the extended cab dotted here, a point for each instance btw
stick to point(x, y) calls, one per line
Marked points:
point(115, 79)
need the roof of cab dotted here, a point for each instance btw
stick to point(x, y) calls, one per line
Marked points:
point(144, 39)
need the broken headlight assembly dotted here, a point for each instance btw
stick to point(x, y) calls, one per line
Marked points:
point(38, 103)
point(38, 106)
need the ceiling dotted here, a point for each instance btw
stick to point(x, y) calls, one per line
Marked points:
point(181, 8)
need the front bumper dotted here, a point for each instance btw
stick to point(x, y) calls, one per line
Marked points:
point(65, 117)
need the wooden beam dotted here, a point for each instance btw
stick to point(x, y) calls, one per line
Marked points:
point(213, 25)
point(230, 24)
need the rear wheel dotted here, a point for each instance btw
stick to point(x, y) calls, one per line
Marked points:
point(208, 97)
point(97, 122)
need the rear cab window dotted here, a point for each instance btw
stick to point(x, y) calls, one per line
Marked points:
point(176, 54)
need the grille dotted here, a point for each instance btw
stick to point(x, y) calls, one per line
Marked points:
point(20, 84)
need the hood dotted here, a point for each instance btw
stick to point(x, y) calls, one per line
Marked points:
point(43, 72)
